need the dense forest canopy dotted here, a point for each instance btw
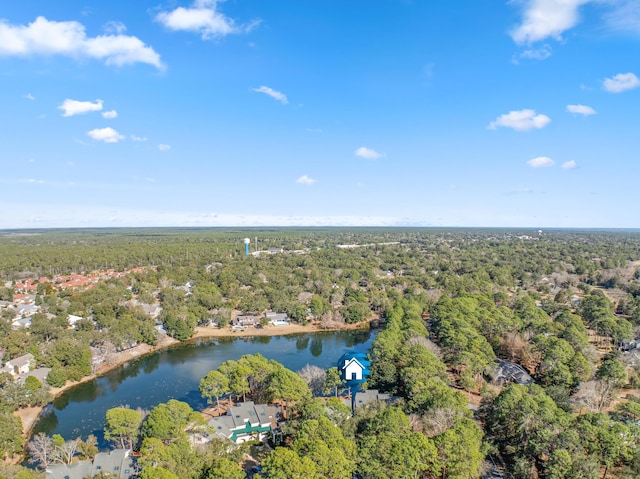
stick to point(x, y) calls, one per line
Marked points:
point(561, 308)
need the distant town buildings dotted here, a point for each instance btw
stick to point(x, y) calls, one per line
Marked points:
point(24, 304)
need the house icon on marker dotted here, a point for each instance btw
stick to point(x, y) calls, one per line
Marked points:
point(353, 370)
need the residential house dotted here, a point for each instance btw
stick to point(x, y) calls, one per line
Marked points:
point(361, 398)
point(73, 319)
point(20, 323)
point(245, 422)
point(277, 319)
point(20, 365)
point(40, 374)
point(504, 372)
point(152, 310)
point(25, 310)
point(245, 320)
point(117, 463)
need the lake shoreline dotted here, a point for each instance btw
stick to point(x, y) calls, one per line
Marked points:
point(30, 416)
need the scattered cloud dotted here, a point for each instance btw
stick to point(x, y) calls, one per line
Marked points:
point(281, 97)
point(107, 135)
point(110, 115)
point(138, 138)
point(541, 162)
point(33, 181)
point(368, 153)
point(540, 54)
point(621, 82)
point(521, 120)
point(205, 18)
point(115, 27)
point(542, 19)
point(581, 110)
point(305, 180)
point(569, 165)
point(45, 37)
point(75, 107)
point(163, 147)
point(625, 16)
point(29, 96)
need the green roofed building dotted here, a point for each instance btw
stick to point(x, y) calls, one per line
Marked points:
point(245, 422)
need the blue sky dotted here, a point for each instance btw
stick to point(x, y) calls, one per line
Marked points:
point(319, 112)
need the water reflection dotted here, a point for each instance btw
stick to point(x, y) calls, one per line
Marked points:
point(48, 418)
point(302, 343)
point(151, 363)
point(176, 373)
point(354, 338)
point(316, 347)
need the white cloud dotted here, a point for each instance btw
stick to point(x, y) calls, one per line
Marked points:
point(621, 82)
point(368, 153)
point(521, 120)
point(44, 37)
point(115, 27)
point(581, 110)
point(541, 53)
point(138, 138)
point(281, 97)
point(305, 180)
point(203, 17)
point(74, 107)
point(569, 165)
point(625, 16)
point(107, 135)
point(546, 18)
point(163, 147)
point(110, 115)
point(541, 162)
point(29, 96)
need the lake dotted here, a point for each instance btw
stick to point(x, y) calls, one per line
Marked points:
point(175, 373)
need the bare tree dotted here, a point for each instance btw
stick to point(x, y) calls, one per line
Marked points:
point(594, 395)
point(41, 450)
point(438, 420)
point(416, 422)
point(315, 377)
point(66, 451)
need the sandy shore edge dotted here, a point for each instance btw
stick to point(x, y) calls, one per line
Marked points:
point(29, 416)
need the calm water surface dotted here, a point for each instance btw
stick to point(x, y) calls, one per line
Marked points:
point(174, 373)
